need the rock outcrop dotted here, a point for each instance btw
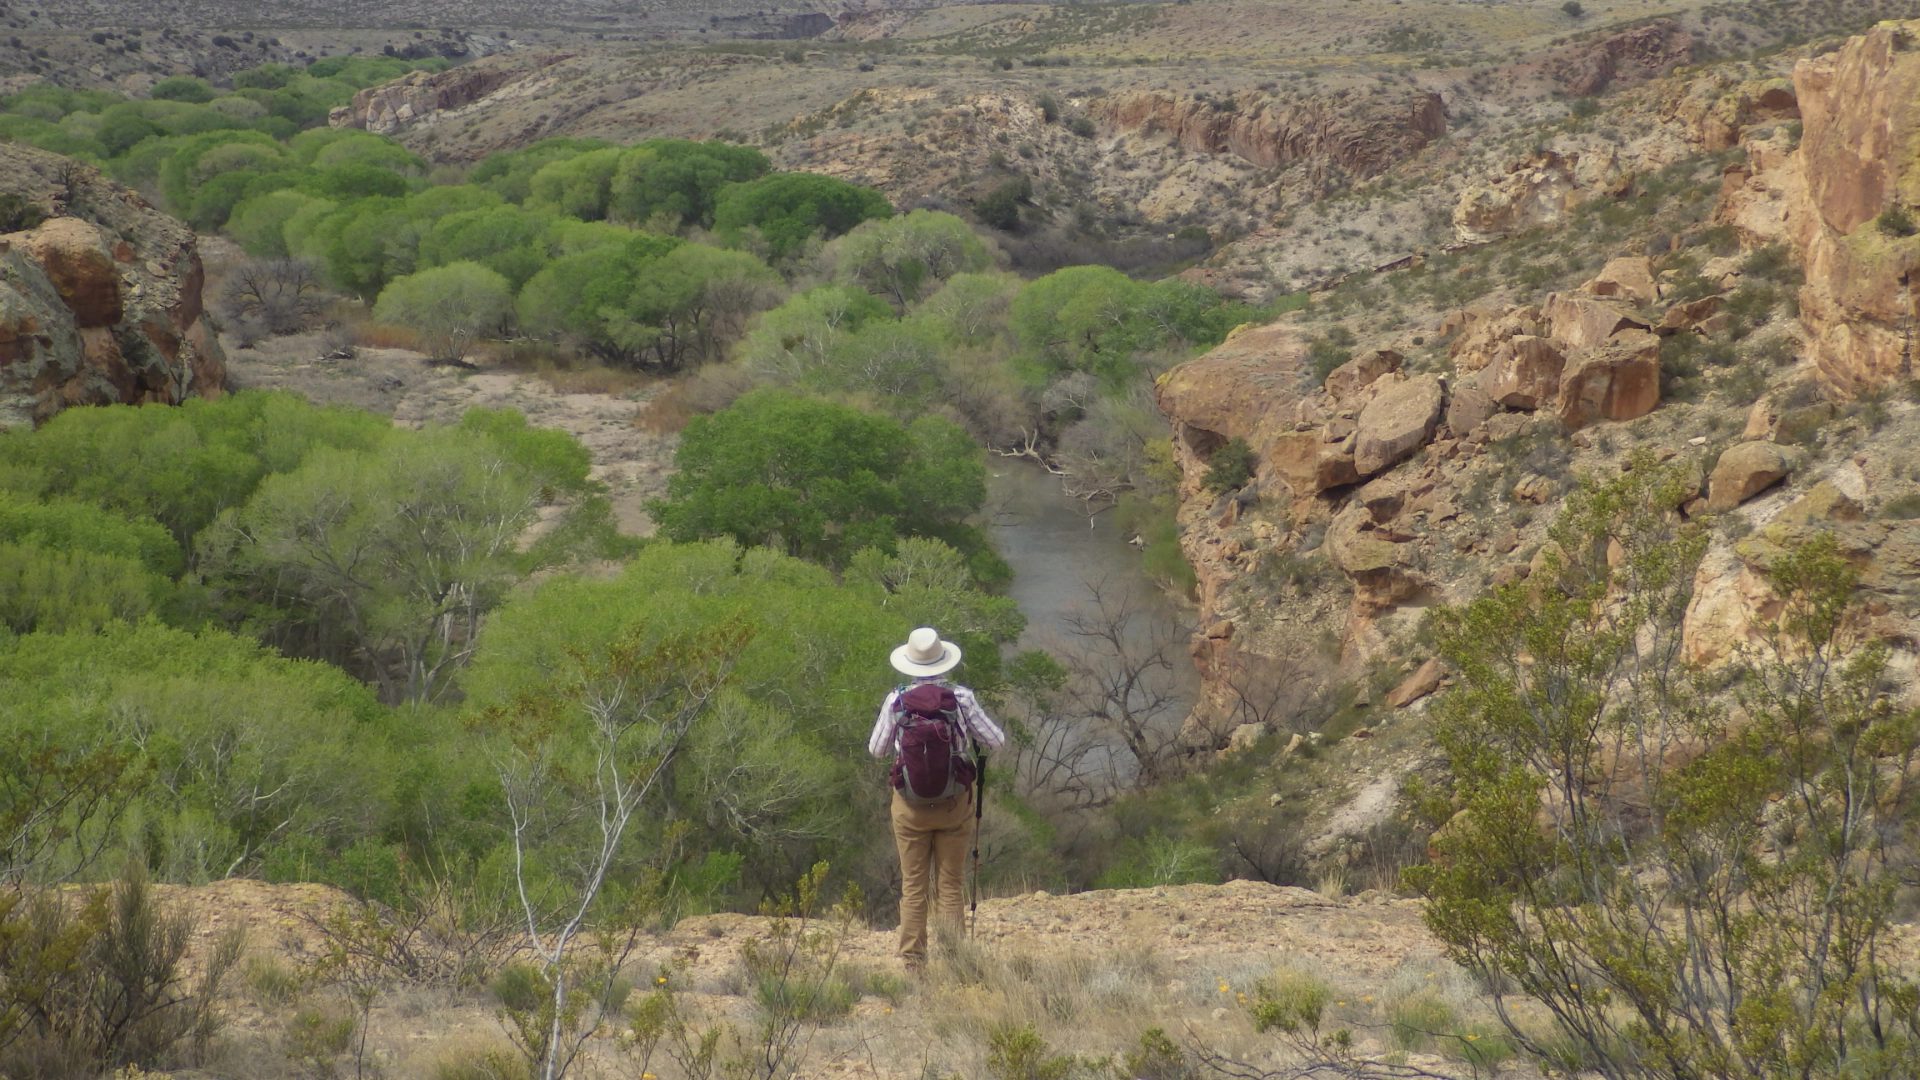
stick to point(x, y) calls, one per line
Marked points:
point(1858, 159)
point(100, 302)
point(1644, 52)
point(1271, 133)
point(422, 96)
point(1536, 191)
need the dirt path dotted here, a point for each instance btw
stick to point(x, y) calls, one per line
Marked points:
point(632, 462)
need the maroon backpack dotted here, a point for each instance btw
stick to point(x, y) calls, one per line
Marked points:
point(933, 765)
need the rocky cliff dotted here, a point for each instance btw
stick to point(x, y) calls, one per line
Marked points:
point(99, 295)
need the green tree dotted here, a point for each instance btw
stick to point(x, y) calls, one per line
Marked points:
point(788, 209)
point(580, 186)
point(899, 257)
point(1689, 891)
point(448, 305)
point(182, 466)
point(818, 480)
point(396, 552)
point(182, 88)
point(510, 173)
point(680, 178)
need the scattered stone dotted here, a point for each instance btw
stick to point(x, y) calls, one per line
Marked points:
point(1745, 470)
point(1534, 488)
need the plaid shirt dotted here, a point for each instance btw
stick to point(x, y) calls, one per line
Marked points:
point(885, 740)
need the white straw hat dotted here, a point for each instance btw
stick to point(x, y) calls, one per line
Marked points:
point(925, 654)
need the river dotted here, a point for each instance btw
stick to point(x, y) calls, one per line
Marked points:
point(1056, 551)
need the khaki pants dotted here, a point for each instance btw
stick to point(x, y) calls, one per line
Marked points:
point(933, 853)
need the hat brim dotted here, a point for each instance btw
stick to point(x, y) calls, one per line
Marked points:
point(950, 657)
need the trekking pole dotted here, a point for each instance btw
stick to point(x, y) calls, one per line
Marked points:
point(979, 809)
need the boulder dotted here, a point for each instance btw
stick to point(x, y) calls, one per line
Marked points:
point(1482, 335)
point(1581, 322)
point(1822, 502)
point(1361, 371)
point(1526, 375)
point(1381, 571)
point(1618, 380)
point(1308, 464)
point(1745, 470)
point(1855, 160)
point(1398, 421)
point(1245, 737)
point(80, 265)
point(1691, 315)
point(1761, 421)
point(1424, 680)
point(1629, 279)
point(1467, 407)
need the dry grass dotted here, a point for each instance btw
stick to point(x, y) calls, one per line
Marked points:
point(667, 413)
point(374, 335)
point(593, 379)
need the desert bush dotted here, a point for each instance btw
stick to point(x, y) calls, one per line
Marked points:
point(266, 298)
point(101, 984)
point(1780, 881)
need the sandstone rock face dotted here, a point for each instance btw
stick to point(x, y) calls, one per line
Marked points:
point(1745, 470)
point(1270, 134)
point(101, 303)
point(76, 259)
point(1617, 380)
point(1485, 337)
point(1379, 568)
point(1361, 371)
point(1538, 191)
point(1399, 420)
point(1526, 373)
point(1857, 157)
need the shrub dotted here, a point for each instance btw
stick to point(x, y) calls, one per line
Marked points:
point(1231, 466)
point(17, 214)
point(1049, 107)
point(1902, 507)
point(1417, 1020)
point(1896, 221)
point(1573, 9)
point(1081, 126)
point(1019, 1053)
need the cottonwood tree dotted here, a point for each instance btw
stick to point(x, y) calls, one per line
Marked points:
point(449, 306)
point(398, 553)
point(578, 758)
point(1691, 871)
